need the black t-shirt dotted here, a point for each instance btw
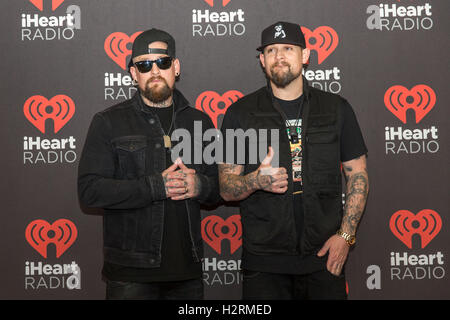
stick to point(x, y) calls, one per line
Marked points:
point(352, 146)
point(177, 263)
point(293, 122)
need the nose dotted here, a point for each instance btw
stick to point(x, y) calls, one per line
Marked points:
point(279, 55)
point(155, 70)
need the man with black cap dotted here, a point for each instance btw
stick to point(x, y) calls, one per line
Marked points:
point(151, 220)
point(296, 233)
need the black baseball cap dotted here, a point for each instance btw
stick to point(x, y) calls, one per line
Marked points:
point(140, 44)
point(282, 32)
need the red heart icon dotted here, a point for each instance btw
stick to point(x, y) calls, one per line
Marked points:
point(323, 40)
point(38, 109)
point(116, 47)
point(62, 233)
point(404, 224)
point(420, 98)
point(40, 4)
point(211, 2)
point(215, 229)
point(209, 101)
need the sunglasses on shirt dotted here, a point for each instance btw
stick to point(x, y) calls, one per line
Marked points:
point(145, 66)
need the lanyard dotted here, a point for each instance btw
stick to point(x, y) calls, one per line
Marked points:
point(292, 129)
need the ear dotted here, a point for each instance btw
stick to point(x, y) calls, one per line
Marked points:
point(133, 73)
point(177, 66)
point(261, 59)
point(305, 55)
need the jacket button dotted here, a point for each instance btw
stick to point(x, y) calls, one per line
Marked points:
point(152, 260)
point(152, 121)
point(157, 146)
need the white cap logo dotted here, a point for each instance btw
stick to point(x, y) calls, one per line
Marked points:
point(279, 32)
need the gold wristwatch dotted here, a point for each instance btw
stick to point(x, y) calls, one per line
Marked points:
point(350, 239)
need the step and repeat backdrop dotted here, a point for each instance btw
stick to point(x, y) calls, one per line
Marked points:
point(64, 60)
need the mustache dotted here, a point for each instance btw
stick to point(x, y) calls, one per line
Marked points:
point(279, 64)
point(156, 78)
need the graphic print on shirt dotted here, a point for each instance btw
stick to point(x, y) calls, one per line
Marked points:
point(294, 131)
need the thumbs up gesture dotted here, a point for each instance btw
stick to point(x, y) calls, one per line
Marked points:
point(269, 178)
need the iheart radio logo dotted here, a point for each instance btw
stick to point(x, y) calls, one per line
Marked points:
point(323, 40)
point(215, 229)
point(38, 109)
point(118, 47)
point(214, 104)
point(420, 98)
point(211, 2)
point(62, 233)
point(40, 4)
point(404, 224)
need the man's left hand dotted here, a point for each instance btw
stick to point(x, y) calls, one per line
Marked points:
point(337, 249)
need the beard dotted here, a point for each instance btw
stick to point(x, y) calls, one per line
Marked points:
point(282, 78)
point(158, 93)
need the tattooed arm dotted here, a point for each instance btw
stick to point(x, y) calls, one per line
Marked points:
point(235, 187)
point(356, 195)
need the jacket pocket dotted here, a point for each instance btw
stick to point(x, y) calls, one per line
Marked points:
point(267, 224)
point(322, 137)
point(131, 153)
point(323, 218)
point(323, 150)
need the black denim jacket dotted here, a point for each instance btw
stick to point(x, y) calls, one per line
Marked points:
point(120, 171)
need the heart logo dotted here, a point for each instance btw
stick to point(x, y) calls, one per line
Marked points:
point(211, 2)
point(420, 98)
point(62, 233)
point(404, 224)
point(323, 40)
point(116, 47)
point(40, 4)
point(37, 109)
point(215, 229)
point(216, 105)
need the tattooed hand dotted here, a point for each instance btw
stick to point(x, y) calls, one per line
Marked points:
point(235, 187)
point(182, 183)
point(271, 179)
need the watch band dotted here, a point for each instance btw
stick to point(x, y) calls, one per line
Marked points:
point(350, 239)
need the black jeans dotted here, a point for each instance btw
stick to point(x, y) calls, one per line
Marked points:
point(171, 290)
point(321, 285)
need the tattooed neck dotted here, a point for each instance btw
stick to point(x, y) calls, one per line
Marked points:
point(163, 104)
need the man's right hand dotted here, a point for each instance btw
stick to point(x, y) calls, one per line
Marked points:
point(236, 187)
point(269, 178)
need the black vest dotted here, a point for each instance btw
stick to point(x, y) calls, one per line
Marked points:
point(268, 218)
